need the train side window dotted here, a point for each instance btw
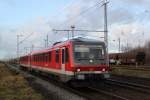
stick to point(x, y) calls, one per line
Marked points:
point(67, 55)
point(57, 55)
point(40, 58)
point(34, 58)
point(46, 57)
point(49, 56)
point(43, 57)
point(37, 58)
point(63, 56)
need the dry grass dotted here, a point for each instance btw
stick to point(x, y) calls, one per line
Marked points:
point(142, 73)
point(15, 87)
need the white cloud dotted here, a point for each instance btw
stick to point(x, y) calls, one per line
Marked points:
point(120, 19)
point(131, 33)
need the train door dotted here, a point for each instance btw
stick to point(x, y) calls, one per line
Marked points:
point(63, 60)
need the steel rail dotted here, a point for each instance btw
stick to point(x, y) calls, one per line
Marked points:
point(116, 97)
point(134, 86)
point(95, 93)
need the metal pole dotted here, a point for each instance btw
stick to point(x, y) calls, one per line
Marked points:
point(72, 30)
point(26, 50)
point(68, 35)
point(18, 48)
point(47, 41)
point(127, 46)
point(18, 52)
point(32, 48)
point(106, 31)
point(143, 38)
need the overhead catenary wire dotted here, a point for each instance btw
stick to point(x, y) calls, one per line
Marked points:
point(70, 3)
point(86, 10)
point(26, 38)
point(83, 12)
point(79, 18)
point(66, 7)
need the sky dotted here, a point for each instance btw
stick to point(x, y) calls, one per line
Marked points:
point(127, 20)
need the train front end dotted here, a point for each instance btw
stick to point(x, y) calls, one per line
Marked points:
point(89, 59)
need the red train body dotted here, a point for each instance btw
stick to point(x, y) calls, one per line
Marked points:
point(75, 59)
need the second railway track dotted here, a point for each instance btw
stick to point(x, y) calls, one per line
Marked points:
point(87, 93)
point(134, 86)
point(96, 93)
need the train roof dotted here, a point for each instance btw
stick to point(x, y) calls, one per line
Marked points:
point(56, 44)
point(81, 39)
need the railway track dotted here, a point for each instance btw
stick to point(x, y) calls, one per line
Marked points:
point(90, 93)
point(43, 82)
point(123, 92)
point(110, 94)
point(131, 79)
point(134, 86)
point(87, 93)
point(94, 93)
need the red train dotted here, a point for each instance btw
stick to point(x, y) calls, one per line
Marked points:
point(75, 59)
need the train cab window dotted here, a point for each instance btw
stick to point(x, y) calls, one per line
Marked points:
point(57, 55)
point(66, 55)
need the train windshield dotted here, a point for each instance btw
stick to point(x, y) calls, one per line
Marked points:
point(88, 54)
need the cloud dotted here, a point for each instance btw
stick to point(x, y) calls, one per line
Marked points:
point(137, 2)
point(39, 28)
point(134, 34)
point(121, 18)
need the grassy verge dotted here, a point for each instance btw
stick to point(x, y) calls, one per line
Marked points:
point(15, 87)
point(135, 72)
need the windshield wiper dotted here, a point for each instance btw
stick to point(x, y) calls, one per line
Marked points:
point(83, 58)
point(90, 59)
point(99, 58)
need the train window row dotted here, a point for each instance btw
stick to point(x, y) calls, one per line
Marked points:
point(57, 55)
point(65, 55)
point(24, 58)
point(46, 57)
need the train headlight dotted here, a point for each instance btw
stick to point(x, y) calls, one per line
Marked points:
point(78, 70)
point(103, 69)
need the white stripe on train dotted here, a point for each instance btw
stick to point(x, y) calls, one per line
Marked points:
point(62, 72)
point(49, 70)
